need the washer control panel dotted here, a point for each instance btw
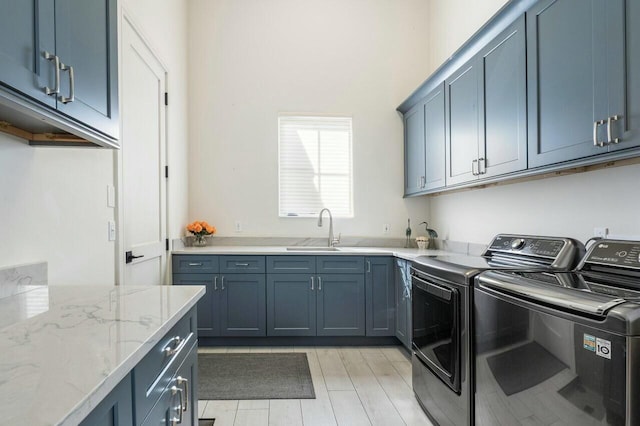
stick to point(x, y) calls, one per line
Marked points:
point(527, 245)
point(615, 253)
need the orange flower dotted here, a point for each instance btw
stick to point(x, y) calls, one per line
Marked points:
point(197, 228)
point(209, 229)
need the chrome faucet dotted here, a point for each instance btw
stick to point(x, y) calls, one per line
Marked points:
point(332, 241)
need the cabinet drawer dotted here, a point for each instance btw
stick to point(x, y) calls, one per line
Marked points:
point(340, 264)
point(291, 264)
point(195, 264)
point(170, 402)
point(242, 264)
point(152, 375)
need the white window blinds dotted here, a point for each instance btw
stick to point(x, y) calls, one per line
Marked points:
point(315, 166)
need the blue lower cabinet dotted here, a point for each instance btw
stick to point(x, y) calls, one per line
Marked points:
point(291, 305)
point(381, 298)
point(178, 402)
point(208, 305)
point(243, 305)
point(116, 409)
point(340, 302)
point(403, 302)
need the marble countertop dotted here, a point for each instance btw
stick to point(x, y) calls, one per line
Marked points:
point(64, 348)
point(403, 253)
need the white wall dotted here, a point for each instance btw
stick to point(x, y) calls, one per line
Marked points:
point(251, 59)
point(565, 205)
point(54, 200)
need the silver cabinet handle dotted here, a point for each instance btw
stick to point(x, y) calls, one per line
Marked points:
point(72, 90)
point(423, 182)
point(222, 282)
point(169, 350)
point(482, 167)
point(311, 283)
point(474, 167)
point(242, 264)
point(597, 124)
point(610, 121)
point(215, 283)
point(185, 385)
point(319, 284)
point(419, 182)
point(195, 264)
point(177, 420)
point(56, 62)
point(368, 266)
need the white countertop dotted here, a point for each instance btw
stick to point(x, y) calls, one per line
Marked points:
point(64, 348)
point(403, 253)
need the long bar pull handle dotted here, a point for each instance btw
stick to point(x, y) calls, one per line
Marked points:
point(311, 283)
point(474, 167)
point(215, 283)
point(319, 284)
point(185, 385)
point(610, 121)
point(482, 166)
point(368, 266)
point(175, 421)
point(242, 264)
point(56, 62)
point(223, 282)
point(72, 90)
point(596, 142)
point(195, 264)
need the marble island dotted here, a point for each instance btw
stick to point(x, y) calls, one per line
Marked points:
point(64, 348)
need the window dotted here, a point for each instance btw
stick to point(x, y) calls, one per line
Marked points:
point(315, 166)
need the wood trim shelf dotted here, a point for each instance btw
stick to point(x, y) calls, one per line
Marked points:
point(44, 139)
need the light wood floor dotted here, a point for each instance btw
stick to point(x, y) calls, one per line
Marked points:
point(353, 385)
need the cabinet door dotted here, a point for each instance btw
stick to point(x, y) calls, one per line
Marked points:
point(414, 150)
point(187, 380)
point(630, 133)
point(208, 305)
point(86, 39)
point(116, 409)
point(462, 108)
point(291, 305)
point(243, 305)
point(380, 297)
point(340, 302)
point(401, 302)
point(435, 139)
point(572, 82)
point(26, 33)
point(503, 147)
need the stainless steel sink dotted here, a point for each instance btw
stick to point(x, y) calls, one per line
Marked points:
point(303, 248)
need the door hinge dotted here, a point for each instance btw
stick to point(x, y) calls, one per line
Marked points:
point(166, 172)
point(166, 98)
point(166, 244)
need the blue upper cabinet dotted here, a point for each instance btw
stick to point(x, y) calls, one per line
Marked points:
point(414, 150)
point(576, 77)
point(27, 36)
point(503, 100)
point(86, 39)
point(463, 119)
point(59, 67)
point(434, 131)
point(486, 111)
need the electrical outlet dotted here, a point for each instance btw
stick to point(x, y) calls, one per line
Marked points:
point(600, 232)
point(386, 228)
point(238, 226)
point(111, 230)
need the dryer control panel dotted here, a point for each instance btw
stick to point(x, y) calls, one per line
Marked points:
point(616, 253)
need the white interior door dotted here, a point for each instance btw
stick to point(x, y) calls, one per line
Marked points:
point(143, 186)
